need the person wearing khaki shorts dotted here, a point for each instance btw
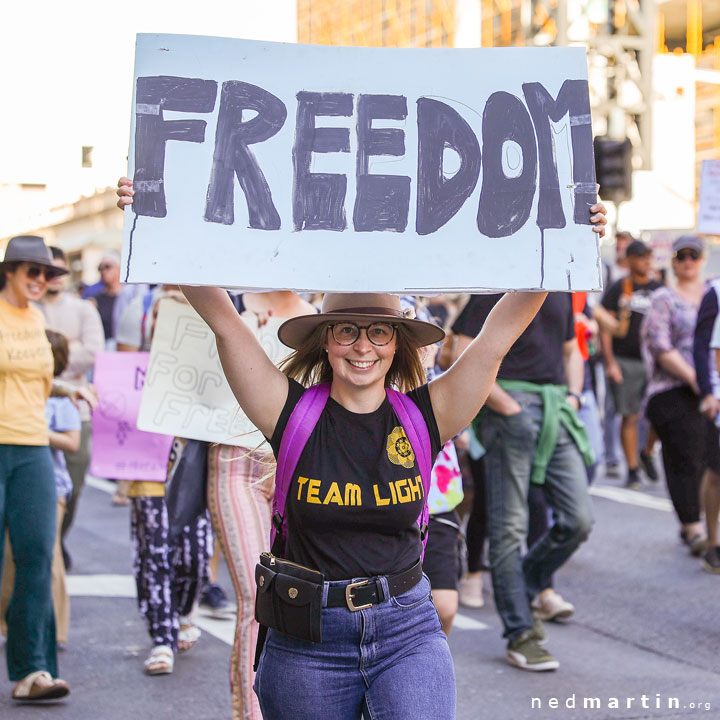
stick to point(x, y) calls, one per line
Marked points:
point(623, 359)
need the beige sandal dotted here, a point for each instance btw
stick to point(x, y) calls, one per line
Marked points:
point(188, 635)
point(40, 685)
point(160, 661)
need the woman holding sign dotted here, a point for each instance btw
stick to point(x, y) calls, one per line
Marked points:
point(353, 628)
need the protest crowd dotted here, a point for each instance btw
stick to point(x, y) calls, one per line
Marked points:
point(336, 474)
point(624, 382)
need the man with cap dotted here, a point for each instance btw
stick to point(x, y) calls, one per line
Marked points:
point(623, 360)
point(113, 297)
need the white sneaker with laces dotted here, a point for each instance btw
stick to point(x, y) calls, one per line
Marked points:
point(550, 605)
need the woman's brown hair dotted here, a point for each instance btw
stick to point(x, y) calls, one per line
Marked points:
point(309, 364)
point(60, 350)
point(9, 267)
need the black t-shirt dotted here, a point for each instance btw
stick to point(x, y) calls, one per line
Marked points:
point(356, 494)
point(105, 306)
point(629, 346)
point(537, 355)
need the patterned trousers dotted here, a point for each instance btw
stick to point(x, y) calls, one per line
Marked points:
point(168, 578)
point(240, 504)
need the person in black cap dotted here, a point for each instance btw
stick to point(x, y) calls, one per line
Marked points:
point(623, 360)
point(667, 337)
point(28, 501)
point(673, 405)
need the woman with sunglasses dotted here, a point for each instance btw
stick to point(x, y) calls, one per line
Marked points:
point(672, 394)
point(27, 478)
point(350, 512)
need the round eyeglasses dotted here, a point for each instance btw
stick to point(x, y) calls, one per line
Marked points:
point(346, 333)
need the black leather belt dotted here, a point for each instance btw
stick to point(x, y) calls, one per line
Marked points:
point(366, 593)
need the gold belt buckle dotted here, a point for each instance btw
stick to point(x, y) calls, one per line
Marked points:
point(349, 598)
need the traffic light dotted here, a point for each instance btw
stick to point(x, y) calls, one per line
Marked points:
point(613, 168)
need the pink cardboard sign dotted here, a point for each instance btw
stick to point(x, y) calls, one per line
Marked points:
point(120, 450)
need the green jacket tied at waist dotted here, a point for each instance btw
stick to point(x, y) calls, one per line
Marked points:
point(556, 410)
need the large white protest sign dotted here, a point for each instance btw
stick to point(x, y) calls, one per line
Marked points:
point(270, 165)
point(186, 393)
point(708, 218)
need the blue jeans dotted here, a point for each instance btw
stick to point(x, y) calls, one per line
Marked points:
point(510, 442)
point(388, 662)
point(590, 415)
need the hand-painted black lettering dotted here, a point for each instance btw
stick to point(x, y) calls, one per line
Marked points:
point(233, 155)
point(382, 202)
point(155, 94)
point(573, 98)
point(506, 202)
point(438, 199)
point(319, 198)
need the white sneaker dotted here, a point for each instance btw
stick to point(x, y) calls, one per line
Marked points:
point(471, 591)
point(550, 605)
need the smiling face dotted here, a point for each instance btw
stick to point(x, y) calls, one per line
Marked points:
point(361, 364)
point(26, 284)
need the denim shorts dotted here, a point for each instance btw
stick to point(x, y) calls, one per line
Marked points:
point(387, 662)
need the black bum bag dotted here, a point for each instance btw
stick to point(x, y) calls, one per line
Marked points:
point(289, 598)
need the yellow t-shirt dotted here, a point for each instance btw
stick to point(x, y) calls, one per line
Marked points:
point(26, 371)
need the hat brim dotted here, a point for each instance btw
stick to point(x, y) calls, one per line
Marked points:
point(295, 331)
point(54, 270)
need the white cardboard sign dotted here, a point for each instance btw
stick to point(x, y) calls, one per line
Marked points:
point(708, 219)
point(186, 393)
point(278, 166)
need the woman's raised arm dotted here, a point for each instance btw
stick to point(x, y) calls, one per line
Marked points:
point(458, 394)
point(260, 388)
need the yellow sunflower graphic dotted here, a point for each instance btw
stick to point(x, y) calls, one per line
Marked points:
point(399, 449)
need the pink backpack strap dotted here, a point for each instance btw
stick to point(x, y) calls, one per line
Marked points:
point(300, 425)
point(417, 433)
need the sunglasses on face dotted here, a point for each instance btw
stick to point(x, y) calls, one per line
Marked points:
point(691, 253)
point(35, 271)
point(104, 267)
point(347, 333)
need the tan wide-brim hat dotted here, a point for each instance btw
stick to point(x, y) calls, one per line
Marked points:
point(32, 249)
point(363, 308)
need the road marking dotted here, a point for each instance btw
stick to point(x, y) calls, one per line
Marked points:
point(631, 497)
point(463, 622)
point(101, 484)
point(221, 629)
point(123, 586)
point(120, 586)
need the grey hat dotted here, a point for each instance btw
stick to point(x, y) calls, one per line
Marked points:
point(32, 249)
point(691, 242)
